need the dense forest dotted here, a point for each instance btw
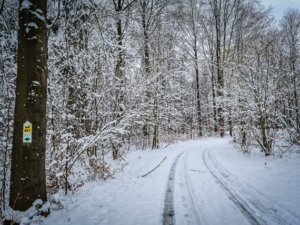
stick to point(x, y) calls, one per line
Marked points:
point(126, 74)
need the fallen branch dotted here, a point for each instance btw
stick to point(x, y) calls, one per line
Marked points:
point(155, 167)
point(199, 171)
point(75, 206)
point(167, 145)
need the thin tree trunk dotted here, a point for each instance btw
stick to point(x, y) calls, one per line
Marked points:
point(197, 87)
point(147, 67)
point(214, 105)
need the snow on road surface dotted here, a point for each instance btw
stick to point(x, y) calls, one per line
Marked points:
point(209, 181)
point(199, 197)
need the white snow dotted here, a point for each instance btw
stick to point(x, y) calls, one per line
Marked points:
point(37, 202)
point(32, 38)
point(45, 207)
point(33, 25)
point(35, 83)
point(212, 178)
point(39, 14)
point(25, 5)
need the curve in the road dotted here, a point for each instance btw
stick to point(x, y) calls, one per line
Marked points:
point(250, 206)
point(244, 209)
point(257, 209)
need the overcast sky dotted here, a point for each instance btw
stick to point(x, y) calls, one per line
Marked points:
point(280, 6)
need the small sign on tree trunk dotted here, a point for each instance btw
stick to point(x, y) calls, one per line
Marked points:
point(27, 132)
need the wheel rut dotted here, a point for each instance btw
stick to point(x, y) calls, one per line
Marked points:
point(244, 210)
point(185, 190)
point(255, 207)
point(168, 215)
point(191, 214)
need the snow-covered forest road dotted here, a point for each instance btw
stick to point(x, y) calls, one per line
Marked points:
point(200, 182)
point(206, 193)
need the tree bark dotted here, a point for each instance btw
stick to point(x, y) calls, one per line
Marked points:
point(198, 93)
point(28, 181)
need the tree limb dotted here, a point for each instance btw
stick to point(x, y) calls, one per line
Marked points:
point(2, 6)
point(155, 167)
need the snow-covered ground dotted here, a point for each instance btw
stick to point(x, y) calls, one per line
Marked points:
point(212, 183)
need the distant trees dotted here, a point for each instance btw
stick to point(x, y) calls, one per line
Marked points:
point(258, 79)
point(224, 25)
point(264, 83)
point(149, 18)
point(290, 26)
point(8, 67)
point(189, 21)
point(249, 72)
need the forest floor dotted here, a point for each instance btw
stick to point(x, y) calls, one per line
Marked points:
point(206, 181)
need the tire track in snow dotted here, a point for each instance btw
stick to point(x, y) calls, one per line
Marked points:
point(242, 207)
point(169, 211)
point(168, 215)
point(256, 208)
point(190, 190)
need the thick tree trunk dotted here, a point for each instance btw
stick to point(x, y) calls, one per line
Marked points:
point(28, 181)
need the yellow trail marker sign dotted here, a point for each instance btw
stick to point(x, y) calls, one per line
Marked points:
point(27, 132)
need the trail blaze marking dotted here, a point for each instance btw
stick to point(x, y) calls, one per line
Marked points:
point(27, 132)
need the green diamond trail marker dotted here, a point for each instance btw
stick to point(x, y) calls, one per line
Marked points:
point(27, 132)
